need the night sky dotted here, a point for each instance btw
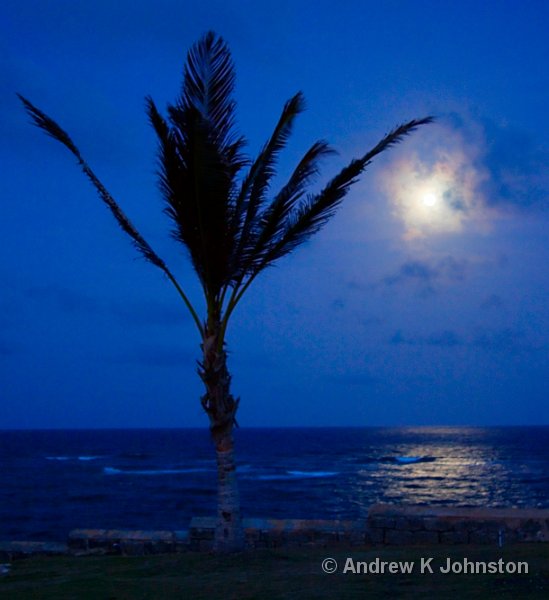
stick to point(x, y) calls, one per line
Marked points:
point(425, 301)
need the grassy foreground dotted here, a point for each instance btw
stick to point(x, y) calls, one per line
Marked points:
point(280, 573)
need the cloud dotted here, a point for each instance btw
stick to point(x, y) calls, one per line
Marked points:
point(412, 270)
point(436, 187)
point(517, 164)
point(506, 340)
point(464, 172)
point(428, 274)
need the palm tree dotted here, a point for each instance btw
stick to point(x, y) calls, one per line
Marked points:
point(224, 214)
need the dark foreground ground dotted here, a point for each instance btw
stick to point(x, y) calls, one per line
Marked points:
point(280, 573)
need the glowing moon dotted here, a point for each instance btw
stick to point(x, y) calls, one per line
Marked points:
point(429, 199)
point(433, 195)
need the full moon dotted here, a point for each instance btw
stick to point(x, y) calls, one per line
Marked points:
point(423, 198)
point(429, 199)
point(435, 189)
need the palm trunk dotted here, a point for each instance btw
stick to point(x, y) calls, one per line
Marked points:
point(221, 407)
point(229, 535)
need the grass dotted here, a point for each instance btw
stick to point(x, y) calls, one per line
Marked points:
point(275, 573)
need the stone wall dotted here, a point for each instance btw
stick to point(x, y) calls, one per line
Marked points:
point(385, 525)
point(13, 550)
point(273, 533)
point(129, 543)
point(400, 525)
point(391, 525)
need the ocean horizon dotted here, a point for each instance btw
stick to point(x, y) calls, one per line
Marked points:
point(247, 427)
point(55, 480)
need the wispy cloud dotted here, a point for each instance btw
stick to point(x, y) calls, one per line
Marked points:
point(435, 188)
point(517, 164)
point(504, 340)
point(465, 172)
point(427, 274)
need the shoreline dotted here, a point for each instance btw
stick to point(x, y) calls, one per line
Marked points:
point(385, 525)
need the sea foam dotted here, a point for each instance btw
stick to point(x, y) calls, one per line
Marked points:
point(297, 475)
point(114, 471)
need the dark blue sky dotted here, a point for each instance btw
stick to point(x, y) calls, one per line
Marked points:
point(425, 301)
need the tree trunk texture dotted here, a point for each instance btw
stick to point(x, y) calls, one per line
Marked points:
point(221, 407)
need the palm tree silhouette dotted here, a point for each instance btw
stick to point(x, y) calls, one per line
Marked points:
point(222, 211)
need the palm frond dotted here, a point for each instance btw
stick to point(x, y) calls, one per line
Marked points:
point(311, 215)
point(256, 182)
point(41, 120)
point(208, 85)
point(229, 228)
point(200, 156)
point(273, 218)
point(48, 125)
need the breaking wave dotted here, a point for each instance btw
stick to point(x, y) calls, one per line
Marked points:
point(296, 475)
point(83, 458)
point(114, 471)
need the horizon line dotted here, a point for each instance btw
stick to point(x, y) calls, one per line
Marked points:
point(248, 427)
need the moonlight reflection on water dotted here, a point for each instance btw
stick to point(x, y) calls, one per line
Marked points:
point(55, 481)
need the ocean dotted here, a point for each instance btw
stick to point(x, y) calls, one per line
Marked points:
point(55, 481)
